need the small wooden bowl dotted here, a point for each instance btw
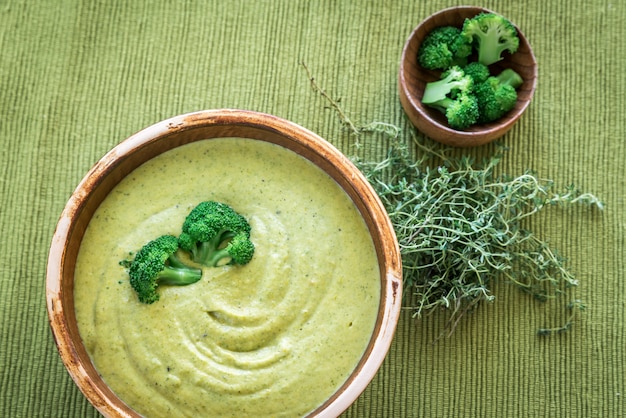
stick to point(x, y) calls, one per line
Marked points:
point(413, 78)
point(184, 129)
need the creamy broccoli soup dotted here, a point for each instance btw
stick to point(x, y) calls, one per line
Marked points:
point(273, 338)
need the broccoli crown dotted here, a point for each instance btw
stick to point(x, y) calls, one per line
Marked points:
point(477, 71)
point(240, 249)
point(492, 34)
point(497, 95)
point(443, 47)
point(215, 234)
point(461, 112)
point(156, 263)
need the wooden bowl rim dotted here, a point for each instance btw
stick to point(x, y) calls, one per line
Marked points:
point(246, 124)
point(421, 119)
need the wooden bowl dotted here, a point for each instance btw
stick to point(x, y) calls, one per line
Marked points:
point(163, 136)
point(413, 78)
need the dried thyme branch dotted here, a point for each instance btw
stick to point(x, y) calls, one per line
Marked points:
point(335, 105)
point(381, 127)
point(460, 226)
point(460, 229)
point(574, 307)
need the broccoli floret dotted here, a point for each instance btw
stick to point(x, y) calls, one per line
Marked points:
point(510, 77)
point(444, 47)
point(157, 263)
point(452, 81)
point(452, 95)
point(461, 112)
point(497, 95)
point(477, 71)
point(215, 234)
point(492, 34)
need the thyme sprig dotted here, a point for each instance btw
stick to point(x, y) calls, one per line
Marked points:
point(356, 131)
point(574, 307)
point(460, 226)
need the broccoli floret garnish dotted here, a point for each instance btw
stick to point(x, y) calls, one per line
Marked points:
point(157, 263)
point(492, 35)
point(452, 95)
point(215, 234)
point(497, 95)
point(444, 47)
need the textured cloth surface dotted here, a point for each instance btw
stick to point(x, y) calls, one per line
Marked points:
point(79, 76)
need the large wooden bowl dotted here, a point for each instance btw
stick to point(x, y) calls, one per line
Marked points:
point(163, 136)
point(412, 79)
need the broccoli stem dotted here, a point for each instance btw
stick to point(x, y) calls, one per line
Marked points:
point(175, 262)
point(217, 256)
point(454, 79)
point(490, 49)
point(211, 252)
point(176, 273)
point(178, 277)
point(510, 77)
point(442, 105)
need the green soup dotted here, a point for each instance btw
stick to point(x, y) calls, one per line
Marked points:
point(275, 337)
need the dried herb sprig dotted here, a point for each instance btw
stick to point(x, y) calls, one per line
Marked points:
point(574, 307)
point(460, 226)
point(380, 127)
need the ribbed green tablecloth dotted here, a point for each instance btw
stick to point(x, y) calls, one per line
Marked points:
point(77, 77)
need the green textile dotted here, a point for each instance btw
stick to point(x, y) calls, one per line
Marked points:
point(77, 77)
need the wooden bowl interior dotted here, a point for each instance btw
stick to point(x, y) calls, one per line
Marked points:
point(413, 78)
point(185, 129)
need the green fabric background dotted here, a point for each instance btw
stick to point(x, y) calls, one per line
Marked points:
point(77, 77)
